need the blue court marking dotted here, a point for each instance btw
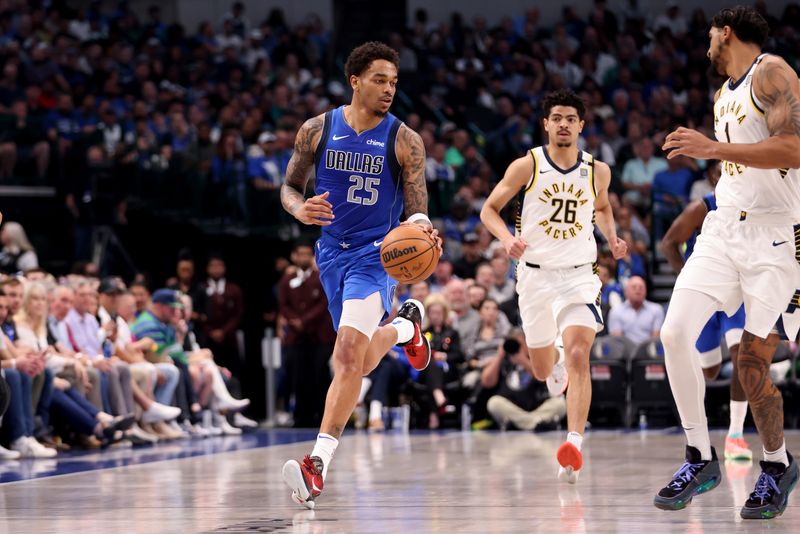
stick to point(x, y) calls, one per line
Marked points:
point(82, 461)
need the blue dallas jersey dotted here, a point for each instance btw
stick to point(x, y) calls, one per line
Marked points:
point(362, 174)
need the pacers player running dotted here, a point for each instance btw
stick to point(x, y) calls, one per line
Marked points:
point(368, 165)
point(560, 189)
point(748, 251)
point(685, 230)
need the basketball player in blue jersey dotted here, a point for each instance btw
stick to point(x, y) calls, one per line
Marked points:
point(370, 169)
point(749, 251)
point(684, 230)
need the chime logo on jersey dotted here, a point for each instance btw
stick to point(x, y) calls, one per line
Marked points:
point(565, 199)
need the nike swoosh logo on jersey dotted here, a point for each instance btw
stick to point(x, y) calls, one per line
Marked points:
point(376, 243)
point(336, 138)
point(542, 172)
point(774, 244)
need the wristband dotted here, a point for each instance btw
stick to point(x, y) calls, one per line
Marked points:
point(419, 217)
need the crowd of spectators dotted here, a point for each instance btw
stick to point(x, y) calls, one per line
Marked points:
point(108, 106)
point(94, 363)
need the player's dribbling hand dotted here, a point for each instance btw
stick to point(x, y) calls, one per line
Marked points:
point(687, 142)
point(316, 210)
point(430, 230)
point(619, 249)
point(515, 246)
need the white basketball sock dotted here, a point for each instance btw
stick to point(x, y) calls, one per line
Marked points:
point(405, 329)
point(375, 410)
point(777, 456)
point(688, 313)
point(576, 439)
point(324, 449)
point(738, 413)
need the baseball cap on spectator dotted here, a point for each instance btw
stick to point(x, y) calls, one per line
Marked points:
point(110, 286)
point(267, 137)
point(469, 238)
point(168, 297)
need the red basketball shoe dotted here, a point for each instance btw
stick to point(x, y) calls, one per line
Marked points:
point(305, 479)
point(418, 350)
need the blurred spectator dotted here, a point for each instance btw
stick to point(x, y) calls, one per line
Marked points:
point(463, 318)
point(441, 276)
point(17, 255)
point(518, 397)
point(638, 174)
point(502, 288)
point(141, 296)
point(446, 354)
point(307, 336)
point(22, 137)
point(471, 257)
point(224, 312)
point(637, 319)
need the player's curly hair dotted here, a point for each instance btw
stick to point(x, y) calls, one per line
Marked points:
point(362, 56)
point(563, 97)
point(747, 23)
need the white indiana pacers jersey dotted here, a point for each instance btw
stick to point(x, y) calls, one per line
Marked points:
point(739, 118)
point(556, 212)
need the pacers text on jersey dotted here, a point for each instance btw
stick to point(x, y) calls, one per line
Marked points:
point(354, 162)
point(565, 199)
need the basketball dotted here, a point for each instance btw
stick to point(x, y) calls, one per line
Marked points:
point(408, 254)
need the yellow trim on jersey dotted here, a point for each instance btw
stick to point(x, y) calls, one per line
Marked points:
point(591, 175)
point(535, 170)
point(753, 102)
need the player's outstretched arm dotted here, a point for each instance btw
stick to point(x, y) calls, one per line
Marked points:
point(316, 210)
point(515, 179)
point(604, 215)
point(411, 155)
point(776, 85)
point(681, 230)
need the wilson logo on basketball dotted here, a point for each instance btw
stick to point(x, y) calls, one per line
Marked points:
point(393, 254)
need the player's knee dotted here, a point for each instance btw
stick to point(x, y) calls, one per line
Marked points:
point(345, 355)
point(577, 357)
point(670, 335)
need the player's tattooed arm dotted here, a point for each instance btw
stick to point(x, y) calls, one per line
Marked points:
point(777, 86)
point(315, 210)
point(411, 156)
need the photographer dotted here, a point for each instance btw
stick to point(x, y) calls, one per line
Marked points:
point(519, 398)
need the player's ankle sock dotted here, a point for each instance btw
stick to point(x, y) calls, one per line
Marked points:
point(777, 456)
point(324, 449)
point(405, 329)
point(698, 438)
point(375, 410)
point(576, 439)
point(738, 413)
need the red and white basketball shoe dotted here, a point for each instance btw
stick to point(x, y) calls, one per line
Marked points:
point(305, 480)
point(418, 350)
